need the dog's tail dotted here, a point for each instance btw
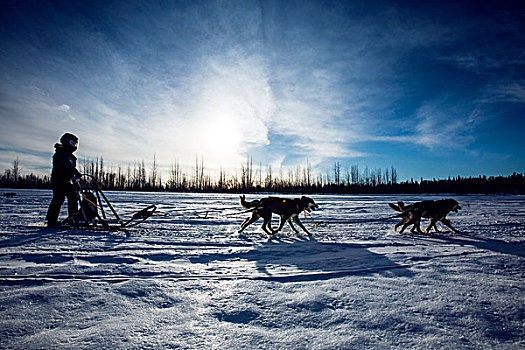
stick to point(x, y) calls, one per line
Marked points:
point(400, 207)
point(248, 205)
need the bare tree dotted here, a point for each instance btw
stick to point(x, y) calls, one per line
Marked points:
point(101, 171)
point(393, 175)
point(154, 173)
point(379, 176)
point(308, 173)
point(366, 176)
point(221, 184)
point(258, 175)
point(16, 170)
point(337, 173)
point(268, 182)
point(175, 176)
point(346, 180)
point(354, 173)
point(247, 174)
point(198, 174)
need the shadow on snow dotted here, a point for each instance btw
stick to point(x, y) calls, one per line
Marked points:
point(309, 260)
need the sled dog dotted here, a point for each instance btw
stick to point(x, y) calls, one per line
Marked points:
point(433, 210)
point(287, 209)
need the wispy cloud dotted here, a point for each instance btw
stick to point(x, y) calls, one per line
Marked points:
point(438, 127)
point(63, 108)
point(513, 92)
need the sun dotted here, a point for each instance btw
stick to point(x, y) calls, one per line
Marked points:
point(228, 115)
point(220, 135)
point(218, 130)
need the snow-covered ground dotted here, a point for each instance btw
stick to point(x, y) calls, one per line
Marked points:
point(195, 283)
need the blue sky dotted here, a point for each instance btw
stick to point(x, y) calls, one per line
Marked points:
point(435, 89)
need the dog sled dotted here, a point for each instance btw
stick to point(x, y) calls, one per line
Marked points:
point(97, 213)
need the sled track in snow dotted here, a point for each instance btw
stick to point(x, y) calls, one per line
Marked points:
point(294, 277)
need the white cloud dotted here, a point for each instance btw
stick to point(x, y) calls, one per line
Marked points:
point(437, 127)
point(64, 108)
point(513, 92)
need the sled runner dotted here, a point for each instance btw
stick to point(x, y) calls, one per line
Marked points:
point(94, 209)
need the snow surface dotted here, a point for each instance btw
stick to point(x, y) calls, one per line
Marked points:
point(195, 283)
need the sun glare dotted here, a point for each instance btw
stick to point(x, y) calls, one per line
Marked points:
point(229, 112)
point(219, 135)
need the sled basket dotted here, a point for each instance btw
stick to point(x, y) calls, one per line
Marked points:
point(94, 209)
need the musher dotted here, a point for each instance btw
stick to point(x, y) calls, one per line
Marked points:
point(64, 170)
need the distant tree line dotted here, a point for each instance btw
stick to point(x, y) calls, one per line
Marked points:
point(13, 179)
point(259, 178)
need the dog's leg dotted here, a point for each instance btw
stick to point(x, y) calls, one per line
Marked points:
point(417, 227)
point(449, 225)
point(436, 228)
point(284, 218)
point(405, 224)
point(432, 223)
point(254, 217)
point(401, 222)
point(267, 223)
point(408, 220)
point(298, 222)
point(291, 225)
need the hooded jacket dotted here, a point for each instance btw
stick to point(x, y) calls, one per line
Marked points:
point(64, 165)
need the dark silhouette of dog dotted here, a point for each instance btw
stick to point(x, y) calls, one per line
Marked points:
point(433, 210)
point(287, 209)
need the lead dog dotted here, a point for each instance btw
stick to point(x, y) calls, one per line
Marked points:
point(287, 209)
point(433, 210)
